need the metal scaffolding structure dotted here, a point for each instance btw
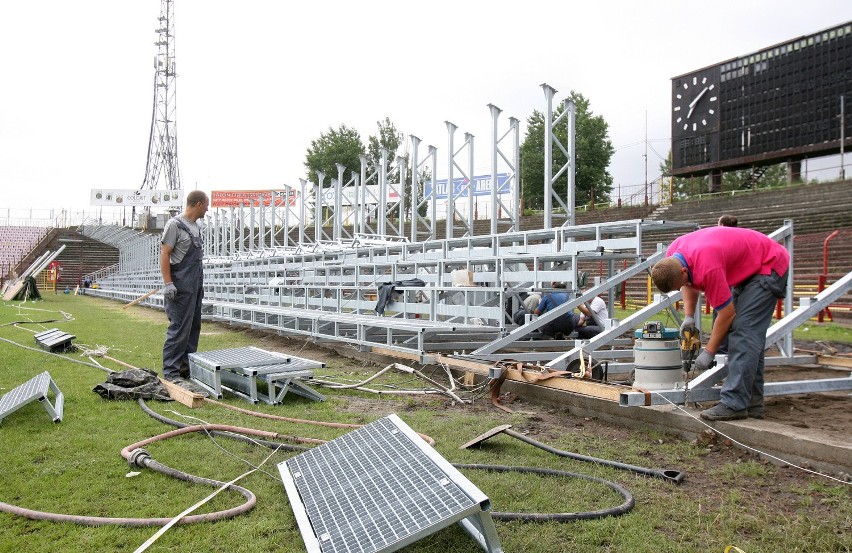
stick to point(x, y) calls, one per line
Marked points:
point(162, 144)
point(331, 292)
point(363, 278)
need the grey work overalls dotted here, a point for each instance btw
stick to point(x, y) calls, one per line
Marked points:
point(184, 312)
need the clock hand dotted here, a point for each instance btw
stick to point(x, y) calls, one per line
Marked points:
point(695, 101)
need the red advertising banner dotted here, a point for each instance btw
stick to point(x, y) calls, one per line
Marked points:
point(233, 198)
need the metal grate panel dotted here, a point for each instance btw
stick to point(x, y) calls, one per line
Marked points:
point(378, 488)
point(36, 388)
point(239, 357)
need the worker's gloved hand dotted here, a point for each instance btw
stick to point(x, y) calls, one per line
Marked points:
point(170, 292)
point(688, 324)
point(704, 360)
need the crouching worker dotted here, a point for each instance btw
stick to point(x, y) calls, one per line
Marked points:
point(591, 320)
point(742, 273)
point(563, 325)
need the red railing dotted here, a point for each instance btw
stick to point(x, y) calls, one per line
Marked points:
point(824, 276)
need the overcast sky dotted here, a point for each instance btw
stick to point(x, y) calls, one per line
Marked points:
point(259, 79)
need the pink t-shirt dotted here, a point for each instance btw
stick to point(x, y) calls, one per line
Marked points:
point(721, 257)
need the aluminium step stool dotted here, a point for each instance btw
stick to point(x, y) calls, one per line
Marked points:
point(280, 378)
point(54, 340)
point(36, 388)
point(238, 370)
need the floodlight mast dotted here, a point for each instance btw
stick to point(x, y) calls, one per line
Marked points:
point(162, 145)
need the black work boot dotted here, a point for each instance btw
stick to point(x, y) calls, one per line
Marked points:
point(721, 412)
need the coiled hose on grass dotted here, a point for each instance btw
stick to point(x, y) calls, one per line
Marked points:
point(140, 458)
point(624, 507)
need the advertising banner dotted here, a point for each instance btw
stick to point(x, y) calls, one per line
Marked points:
point(391, 194)
point(145, 198)
point(481, 186)
point(233, 198)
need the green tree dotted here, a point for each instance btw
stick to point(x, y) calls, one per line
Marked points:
point(770, 176)
point(342, 145)
point(593, 152)
point(682, 188)
point(387, 137)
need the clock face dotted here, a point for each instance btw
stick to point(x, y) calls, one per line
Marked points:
point(695, 103)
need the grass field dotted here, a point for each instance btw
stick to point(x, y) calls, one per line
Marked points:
point(74, 467)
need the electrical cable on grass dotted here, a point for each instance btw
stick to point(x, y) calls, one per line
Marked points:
point(717, 431)
point(56, 355)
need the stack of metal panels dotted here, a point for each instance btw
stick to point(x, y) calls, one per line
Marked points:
point(240, 370)
point(54, 340)
point(380, 488)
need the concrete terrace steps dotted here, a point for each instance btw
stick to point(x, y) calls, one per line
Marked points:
point(82, 255)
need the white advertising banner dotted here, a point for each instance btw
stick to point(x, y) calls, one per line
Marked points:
point(145, 198)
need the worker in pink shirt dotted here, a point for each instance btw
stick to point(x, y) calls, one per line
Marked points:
point(742, 273)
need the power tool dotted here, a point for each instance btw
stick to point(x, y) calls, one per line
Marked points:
point(690, 347)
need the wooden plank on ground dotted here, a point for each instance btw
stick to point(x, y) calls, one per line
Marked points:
point(182, 395)
point(835, 361)
point(396, 353)
point(599, 390)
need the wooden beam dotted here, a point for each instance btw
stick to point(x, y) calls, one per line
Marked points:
point(142, 297)
point(834, 361)
point(599, 390)
point(182, 395)
point(396, 353)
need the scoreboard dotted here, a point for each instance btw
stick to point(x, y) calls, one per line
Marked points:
point(781, 103)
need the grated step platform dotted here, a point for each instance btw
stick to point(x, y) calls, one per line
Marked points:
point(379, 488)
point(36, 388)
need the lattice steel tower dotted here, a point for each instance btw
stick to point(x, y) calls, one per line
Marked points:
point(162, 146)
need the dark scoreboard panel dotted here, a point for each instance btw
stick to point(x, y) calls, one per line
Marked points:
point(777, 104)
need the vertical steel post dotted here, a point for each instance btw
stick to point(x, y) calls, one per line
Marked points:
point(549, 91)
point(400, 165)
point(285, 223)
point(302, 197)
point(272, 220)
point(261, 222)
point(571, 110)
point(433, 201)
point(515, 125)
point(362, 201)
point(251, 224)
point(356, 203)
point(495, 115)
point(471, 214)
point(451, 208)
point(338, 201)
point(381, 208)
point(232, 250)
point(242, 229)
point(318, 221)
point(786, 343)
point(415, 202)
point(216, 230)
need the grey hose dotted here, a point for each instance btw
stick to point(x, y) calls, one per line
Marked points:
point(625, 506)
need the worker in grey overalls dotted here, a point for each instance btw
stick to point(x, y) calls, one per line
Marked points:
point(181, 254)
